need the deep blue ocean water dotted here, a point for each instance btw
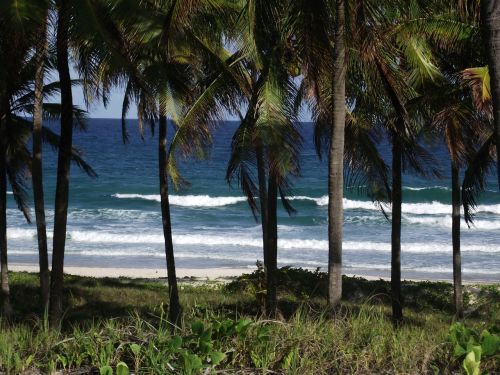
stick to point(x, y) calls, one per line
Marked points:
point(115, 220)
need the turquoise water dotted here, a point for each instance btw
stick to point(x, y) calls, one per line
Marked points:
point(115, 221)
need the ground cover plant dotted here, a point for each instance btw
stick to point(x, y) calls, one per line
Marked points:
point(120, 326)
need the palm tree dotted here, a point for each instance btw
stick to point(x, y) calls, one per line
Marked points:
point(454, 122)
point(14, 162)
point(37, 170)
point(63, 164)
point(267, 138)
point(17, 26)
point(88, 25)
point(490, 15)
point(336, 160)
point(160, 69)
point(483, 159)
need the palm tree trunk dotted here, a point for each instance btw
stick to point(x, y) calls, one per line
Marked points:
point(37, 171)
point(263, 198)
point(455, 234)
point(336, 164)
point(63, 166)
point(272, 247)
point(4, 271)
point(490, 18)
point(174, 304)
point(397, 308)
point(261, 173)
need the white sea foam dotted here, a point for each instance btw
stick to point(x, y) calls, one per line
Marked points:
point(187, 200)
point(446, 222)
point(205, 256)
point(433, 269)
point(112, 214)
point(425, 208)
point(426, 188)
point(256, 242)
point(20, 233)
point(348, 266)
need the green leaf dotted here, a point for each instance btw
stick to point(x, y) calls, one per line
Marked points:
point(175, 343)
point(217, 357)
point(459, 351)
point(289, 359)
point(136, 349)
point(192, 363)
point(242, 326)
point(197, 327)
point(477, 352)
point(106, 370)
point(63, 360)
point(206, 335)
point(206, 346)
point(471, 364)
point(490, 344)
point(122, 369)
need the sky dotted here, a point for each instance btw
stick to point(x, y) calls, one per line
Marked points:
point(114, 107)
point(97, 110)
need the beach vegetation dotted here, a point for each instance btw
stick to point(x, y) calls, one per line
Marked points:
point(373, 74)
point(113, 323)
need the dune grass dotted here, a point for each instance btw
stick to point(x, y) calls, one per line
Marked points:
point(122, 321)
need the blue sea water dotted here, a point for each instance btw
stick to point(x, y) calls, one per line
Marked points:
point(115, 220)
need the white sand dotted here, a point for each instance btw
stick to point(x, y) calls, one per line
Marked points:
point(147, 273)
point(142, 273)
point(197, 273)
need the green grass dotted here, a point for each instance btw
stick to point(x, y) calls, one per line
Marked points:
point(109, 321)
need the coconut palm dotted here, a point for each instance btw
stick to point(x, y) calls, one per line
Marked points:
point(17, 25)
point(78, 24)
point(17, 133)
point(483, 160)
point(63, 162)
point(36, 168)
point(490, 16)
point(159, 69)
point(454, 122)
point(267, 142)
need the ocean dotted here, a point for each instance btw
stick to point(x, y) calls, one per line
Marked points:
point(115, 220)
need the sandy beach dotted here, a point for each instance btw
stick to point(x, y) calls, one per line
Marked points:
point(209, 274)
point(142, 273)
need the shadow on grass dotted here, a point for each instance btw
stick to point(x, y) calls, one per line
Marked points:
point(88, 299)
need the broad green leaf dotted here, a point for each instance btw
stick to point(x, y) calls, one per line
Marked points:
point(175, 343)
point(490, 344)
point(217, 357)
point(197, 327)
point(106, 370)
point(192, 363)
point(242, 325)
point(136, 349)
point(459, 351)
point(471, 365)
point(122, 369)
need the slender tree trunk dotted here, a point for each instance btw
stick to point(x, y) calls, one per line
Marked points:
point(261, 173)
point(37, 171)
point(397, 308)
point(4, 271)
point(63, 166)
point(174, 304)
point(490, 19)
point(336, 163)
point(272, 232)
point(455, 234)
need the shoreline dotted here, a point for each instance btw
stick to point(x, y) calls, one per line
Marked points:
point(199, 274)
